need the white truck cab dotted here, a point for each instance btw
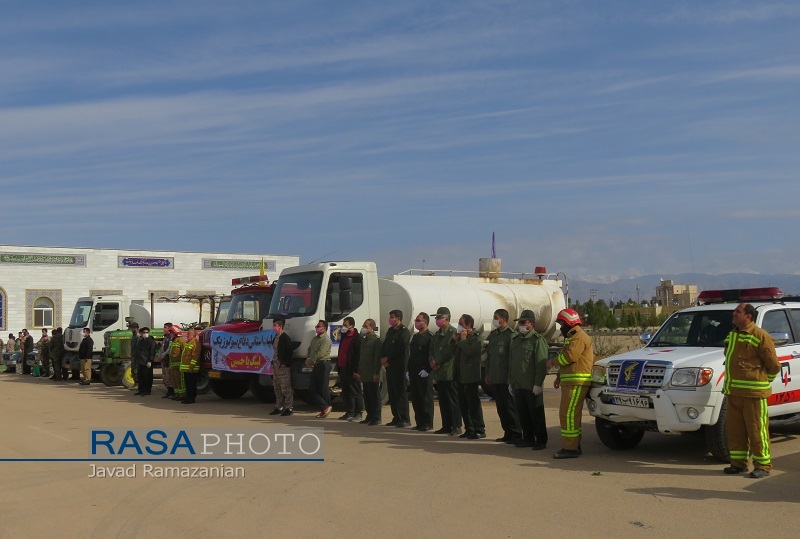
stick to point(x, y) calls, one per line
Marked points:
point(674, 384)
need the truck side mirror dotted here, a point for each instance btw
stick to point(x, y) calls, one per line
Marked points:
point(780, 337)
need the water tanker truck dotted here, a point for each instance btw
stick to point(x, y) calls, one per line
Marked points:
point(332, 291)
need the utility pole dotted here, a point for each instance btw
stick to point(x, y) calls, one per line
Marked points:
point(638, 302)
point(593, 293)
point(612, 299)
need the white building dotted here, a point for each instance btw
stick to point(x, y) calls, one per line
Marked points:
point(40, 285)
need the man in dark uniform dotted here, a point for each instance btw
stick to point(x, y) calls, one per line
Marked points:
point(347, 367)
point(146, 353)
point(419, 370)
point(395, 360)
point(57, 355)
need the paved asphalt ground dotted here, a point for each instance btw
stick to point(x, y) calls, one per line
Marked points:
point(376, 481)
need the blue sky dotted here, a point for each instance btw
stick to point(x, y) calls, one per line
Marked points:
point(595, 138)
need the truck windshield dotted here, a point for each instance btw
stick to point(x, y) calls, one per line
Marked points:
point(694, 328)
point(223, 308)
point(80, 314)
point(251, 306)
point(296, 294)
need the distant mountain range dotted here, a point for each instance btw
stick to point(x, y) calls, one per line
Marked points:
point(626, 288)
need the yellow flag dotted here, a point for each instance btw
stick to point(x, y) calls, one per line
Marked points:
point(262, 268)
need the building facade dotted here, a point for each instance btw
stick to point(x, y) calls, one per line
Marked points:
point(670, 294)
point(39, 286)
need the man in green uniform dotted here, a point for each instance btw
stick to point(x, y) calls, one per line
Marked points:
point(442, 352)
point(468, 377)
point(527, 372)
point(498, 357)
point(319, 358)
point(369, 372)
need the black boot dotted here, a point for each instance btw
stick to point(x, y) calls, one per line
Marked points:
point(170, 393)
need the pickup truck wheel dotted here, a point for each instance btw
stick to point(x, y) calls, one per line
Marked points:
point(616, 436)
point(110, 374)
point(717, 437)
point(229, 389)
point(262, 393)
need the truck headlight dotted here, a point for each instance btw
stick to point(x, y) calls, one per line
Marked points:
point(598, 374)
point(691, 377)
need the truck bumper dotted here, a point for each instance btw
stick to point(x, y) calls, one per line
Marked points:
point(669, 412)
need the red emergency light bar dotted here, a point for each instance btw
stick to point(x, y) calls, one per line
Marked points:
point(248, 280)
point(739, 294)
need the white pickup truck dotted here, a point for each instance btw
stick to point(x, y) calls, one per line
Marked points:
point(674, 384)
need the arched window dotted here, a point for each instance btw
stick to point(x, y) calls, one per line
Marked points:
point(43, 309)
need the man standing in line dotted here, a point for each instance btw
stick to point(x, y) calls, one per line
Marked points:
point(163, 358)
point(527, 373)
point(369, 372)
point(575, 376)
point(395, 361)
point(442, 352)
point(144, 361)
point(26, 347)
point(57, 355)
point(751, 365)
point(468, 377)
point(420, 381)
point(282, 369)
point(497, 364)
point(347, 367)
point(189, 366)
point(85, 355)
point(319, 358)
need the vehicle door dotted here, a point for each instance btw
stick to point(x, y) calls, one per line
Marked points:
point(784, 327)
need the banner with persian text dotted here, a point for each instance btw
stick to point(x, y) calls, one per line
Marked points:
point(242, 352)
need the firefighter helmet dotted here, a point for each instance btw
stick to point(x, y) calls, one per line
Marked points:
point(569, 317)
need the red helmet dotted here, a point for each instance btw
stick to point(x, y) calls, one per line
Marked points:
point(569, 317)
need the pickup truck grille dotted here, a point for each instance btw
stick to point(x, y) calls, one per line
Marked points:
point(652, 378)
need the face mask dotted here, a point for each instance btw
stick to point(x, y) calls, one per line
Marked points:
point(523, 329)
point(440, 322)
point(276, 329)
point(495, 324)
point(145, 335)
point(345, 330)
point(459, 328)
point(319, 331)
point(364, 331)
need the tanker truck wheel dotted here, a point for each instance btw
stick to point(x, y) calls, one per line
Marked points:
point(126, 376)
point(717, 438)
point(617, 436)
point(230, 389)
point(262, 393)
point(203, 384)
point(110, 374)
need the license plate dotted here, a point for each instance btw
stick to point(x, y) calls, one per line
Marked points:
point(626, 400)
point(213, 374)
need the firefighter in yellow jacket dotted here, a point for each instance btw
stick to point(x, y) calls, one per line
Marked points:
point(175, 353)
point(574, 376)
point(751, 365)
point(190, 367)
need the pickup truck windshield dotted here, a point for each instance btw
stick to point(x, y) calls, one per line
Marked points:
point(698, 328)
point(80, 314)
point(296, 294)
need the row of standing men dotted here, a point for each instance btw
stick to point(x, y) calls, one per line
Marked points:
point(515, 365)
